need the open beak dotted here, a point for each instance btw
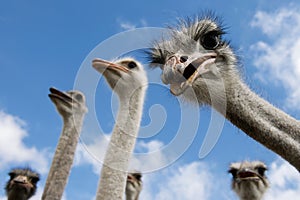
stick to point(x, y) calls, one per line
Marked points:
point(56, 94)
point(100, 65)
point(248, 174)
point(188, 71)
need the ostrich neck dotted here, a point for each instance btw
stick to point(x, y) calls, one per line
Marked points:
point(250, 198)
point(132, 196)
point(19, 195)
point(114, 171)
point(63, 158)
point(263, 122)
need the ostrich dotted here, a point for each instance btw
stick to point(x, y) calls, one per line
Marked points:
point(133, 186)
point(202, 68)
point(71, 106)
point(249, 180)
point(128, 79)
point(22, 184)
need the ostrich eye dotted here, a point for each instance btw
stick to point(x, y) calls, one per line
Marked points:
point(138, 176)
point(34, 180)
point(261, 171)
point(131, 65)
point(233, 172)
point(78, 97)
point(12, 175)
point(211, 40)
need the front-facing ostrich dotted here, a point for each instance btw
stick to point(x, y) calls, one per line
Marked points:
point(127, 78)
point(71, 106)
point(249, 180)
point(22, 184)
point(133, 186)
point(200, 66)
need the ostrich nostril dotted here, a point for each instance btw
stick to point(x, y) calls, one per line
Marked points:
point(183, 59)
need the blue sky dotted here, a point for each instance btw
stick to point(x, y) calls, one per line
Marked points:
point(46, 44)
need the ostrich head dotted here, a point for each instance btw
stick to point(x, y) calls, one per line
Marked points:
point(133, 186)
point(194, 56)
point(22, 184)
point(68, 103)
point(248, 179)
point(124, 75)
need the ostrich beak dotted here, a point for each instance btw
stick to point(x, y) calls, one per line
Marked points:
point(21, 180)
point(247, 174)
point(180, 74)
point(130, 178)
point(100, 65)
point(55, 94)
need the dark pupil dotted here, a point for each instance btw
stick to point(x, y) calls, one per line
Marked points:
point(233, 172)
point(210, 41)
point(261, 171)
point(12, 175)
point(137, 176)
point(34, 180)
point(132, 65)
point(78, 97)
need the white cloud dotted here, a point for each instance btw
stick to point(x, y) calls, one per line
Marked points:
point(183, 182)
point(285, 181)
point(278, 60)
point(199, 179)
point(196, 179)
point(126, 25)
point(187, 182)
point(92, 153)
point(273, 24)
point(152, 159)
point(13, 150)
